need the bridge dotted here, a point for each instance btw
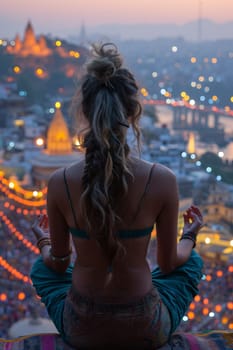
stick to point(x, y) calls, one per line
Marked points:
point(187, 116)
point(203, 119)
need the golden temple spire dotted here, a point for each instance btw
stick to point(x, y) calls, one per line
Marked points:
point(58, 137)
point(29, 40)
point(30, 45)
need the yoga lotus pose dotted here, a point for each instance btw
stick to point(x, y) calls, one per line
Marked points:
point(108, 204)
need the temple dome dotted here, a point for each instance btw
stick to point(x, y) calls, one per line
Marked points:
point(31, 325)
point(58, 138)
point(58, 152)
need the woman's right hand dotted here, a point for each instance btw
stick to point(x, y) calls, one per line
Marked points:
point(40, 227)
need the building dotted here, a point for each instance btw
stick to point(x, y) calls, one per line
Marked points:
point(32, 325)
point(30, 45)
point(57, 154)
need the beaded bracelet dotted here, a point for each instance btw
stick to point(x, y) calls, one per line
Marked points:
point(57, 258)
point(189, 235)
point(43, 241)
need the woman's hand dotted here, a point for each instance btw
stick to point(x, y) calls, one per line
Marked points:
point(193, 220)
point(40, 227)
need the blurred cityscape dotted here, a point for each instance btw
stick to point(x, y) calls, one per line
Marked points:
point(187, 125)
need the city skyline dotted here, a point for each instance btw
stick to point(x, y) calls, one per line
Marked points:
point(66, 17)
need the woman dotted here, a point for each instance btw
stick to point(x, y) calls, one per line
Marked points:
point(108, 203)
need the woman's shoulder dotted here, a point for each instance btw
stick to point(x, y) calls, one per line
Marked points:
point(158, 168)
point(60, 175)
point(68, 170)
point(162, 180)
point(56, 176)
point(164, 170)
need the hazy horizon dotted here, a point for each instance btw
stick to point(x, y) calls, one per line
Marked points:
point(190, 31)
point(66, 17)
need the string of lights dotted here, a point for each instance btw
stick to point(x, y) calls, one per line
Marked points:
point(13, 271)
point(17, 234)
point(18, 210)
point(12, 191)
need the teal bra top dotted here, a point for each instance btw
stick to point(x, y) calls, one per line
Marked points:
point(130, 233)
point(123, 234)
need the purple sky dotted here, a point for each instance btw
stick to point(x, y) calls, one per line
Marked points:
point(65, 17)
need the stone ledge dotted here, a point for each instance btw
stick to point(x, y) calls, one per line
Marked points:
point(218, 340)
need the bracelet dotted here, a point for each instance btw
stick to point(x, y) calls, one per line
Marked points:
point(57, 258)
point(189, 235)
point(43, 241)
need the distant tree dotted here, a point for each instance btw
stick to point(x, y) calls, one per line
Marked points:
point(34, 87)
point(224, 169)
point(7, 62)
point(211, 159)
point(58, 80)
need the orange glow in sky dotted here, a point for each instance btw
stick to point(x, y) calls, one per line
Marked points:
point(57, 16)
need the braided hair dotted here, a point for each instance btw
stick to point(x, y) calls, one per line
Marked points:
point(109, 103)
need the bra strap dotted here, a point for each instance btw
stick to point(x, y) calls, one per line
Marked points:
point(69, 198)
point(143, 195)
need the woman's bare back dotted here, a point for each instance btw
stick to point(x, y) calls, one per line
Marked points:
point(128, 276)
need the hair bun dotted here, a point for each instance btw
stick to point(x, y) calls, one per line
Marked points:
point(105, 62)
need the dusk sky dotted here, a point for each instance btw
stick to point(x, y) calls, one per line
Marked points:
point(64, 17)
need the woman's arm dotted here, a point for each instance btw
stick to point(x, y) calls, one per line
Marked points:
point(170, 254)
point(56, 255)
